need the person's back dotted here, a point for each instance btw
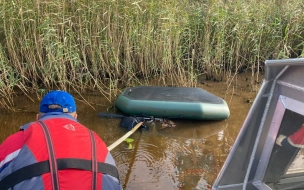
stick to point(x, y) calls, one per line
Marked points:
point(57, 152)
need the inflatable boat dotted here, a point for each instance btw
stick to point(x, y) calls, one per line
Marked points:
point(172, 102)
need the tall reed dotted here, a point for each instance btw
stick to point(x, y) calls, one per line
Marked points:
point(101, 45)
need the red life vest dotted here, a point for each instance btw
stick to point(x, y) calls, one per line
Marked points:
point(68, 155)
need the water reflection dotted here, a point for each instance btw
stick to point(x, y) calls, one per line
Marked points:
point(188, 156)
point(10, 123)
point(193, 129)
point(173, 158)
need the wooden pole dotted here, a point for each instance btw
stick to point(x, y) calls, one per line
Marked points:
point(112, 146)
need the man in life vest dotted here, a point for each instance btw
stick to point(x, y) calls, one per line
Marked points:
point(56, 152)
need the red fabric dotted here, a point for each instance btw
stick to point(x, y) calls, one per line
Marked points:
point(11, 144)
point(298, 137)
point(69, 179)
point(34, 139)
point(47, 182)
point(70, 140)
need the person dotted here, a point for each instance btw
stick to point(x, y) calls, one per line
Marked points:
point(56, 152)
point(285, 150)
point(293, 141)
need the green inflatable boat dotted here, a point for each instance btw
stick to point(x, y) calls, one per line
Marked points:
point(172, 102)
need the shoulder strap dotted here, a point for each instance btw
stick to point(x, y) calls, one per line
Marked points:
point(43, 167)
point(52, 158)
point(94, 161)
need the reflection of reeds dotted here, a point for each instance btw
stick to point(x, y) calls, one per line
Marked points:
point(79, 45)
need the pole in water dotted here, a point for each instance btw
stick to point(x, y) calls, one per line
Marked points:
point(121, 139)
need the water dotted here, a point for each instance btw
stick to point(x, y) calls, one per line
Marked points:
point(188, 156)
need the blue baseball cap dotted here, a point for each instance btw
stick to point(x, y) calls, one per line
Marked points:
point(57, 101)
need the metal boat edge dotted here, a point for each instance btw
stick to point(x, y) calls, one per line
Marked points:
point(256, 161)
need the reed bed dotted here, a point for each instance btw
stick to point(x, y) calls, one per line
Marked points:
point(105, 45)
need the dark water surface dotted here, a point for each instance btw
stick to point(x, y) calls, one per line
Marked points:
point(188, 156)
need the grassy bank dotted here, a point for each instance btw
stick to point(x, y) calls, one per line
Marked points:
point(89, 44)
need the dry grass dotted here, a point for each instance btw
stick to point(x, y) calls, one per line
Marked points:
point(103, 45)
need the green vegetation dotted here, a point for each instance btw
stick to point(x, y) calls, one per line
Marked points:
point(91, 44)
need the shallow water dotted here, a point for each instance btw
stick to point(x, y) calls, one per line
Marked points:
point(188, 156)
